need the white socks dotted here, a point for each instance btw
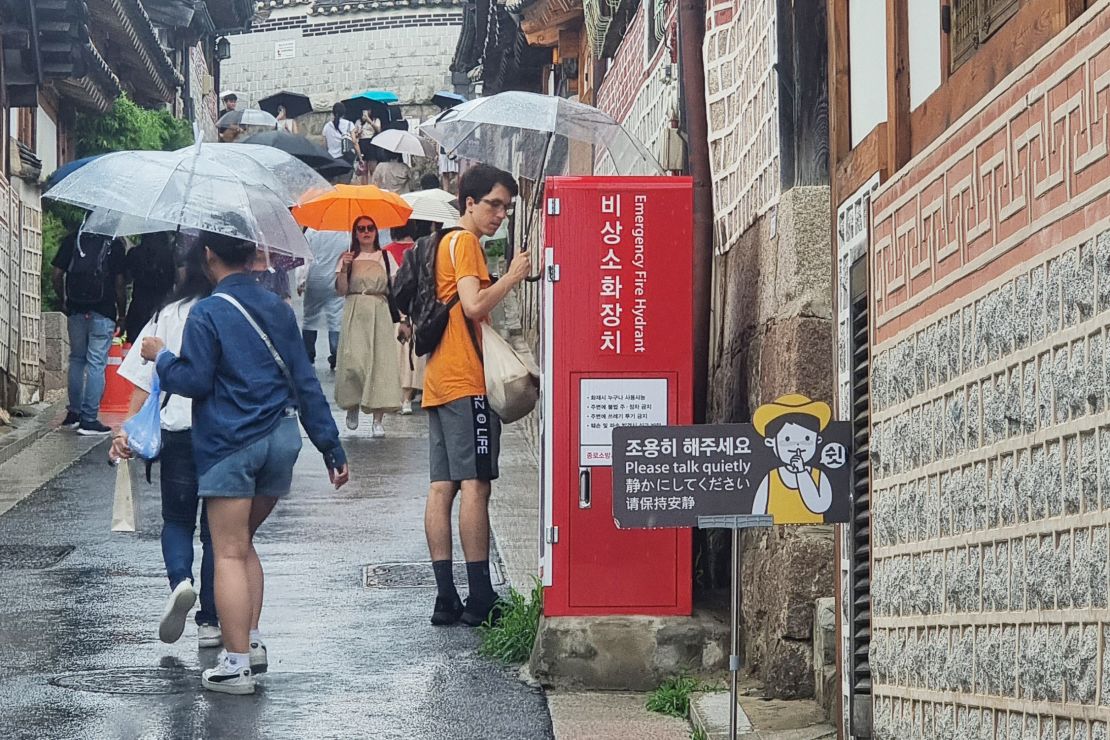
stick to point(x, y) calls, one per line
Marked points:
point(237, 661)
point(256, 636)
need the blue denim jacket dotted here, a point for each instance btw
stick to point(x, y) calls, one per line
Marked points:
point(239, 393)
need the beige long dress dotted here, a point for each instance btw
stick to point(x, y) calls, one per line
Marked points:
point(367, 374)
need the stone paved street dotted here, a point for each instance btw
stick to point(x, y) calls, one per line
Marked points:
point(80, 657)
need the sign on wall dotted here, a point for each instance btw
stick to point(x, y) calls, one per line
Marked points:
point(607, 403)
point(286, 49)
point(791, 462)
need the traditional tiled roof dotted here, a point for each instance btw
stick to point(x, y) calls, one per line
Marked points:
point(97, 89)
point(338, 7)
point(126, 21)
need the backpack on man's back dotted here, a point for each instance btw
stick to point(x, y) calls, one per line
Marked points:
point(414, 290)
point(86, 274)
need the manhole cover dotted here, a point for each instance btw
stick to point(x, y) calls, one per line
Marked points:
point(32, 556)
point(130, 681)
point(418, 575)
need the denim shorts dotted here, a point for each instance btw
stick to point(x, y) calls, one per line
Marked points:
point(263, 468)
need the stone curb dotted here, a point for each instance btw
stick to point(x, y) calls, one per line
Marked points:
point(29, 431)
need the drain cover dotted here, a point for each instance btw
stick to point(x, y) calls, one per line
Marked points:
point(418, 575)
point(130, 681)
point(32, 556)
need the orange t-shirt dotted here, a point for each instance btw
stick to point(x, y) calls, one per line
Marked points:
point(454, 369)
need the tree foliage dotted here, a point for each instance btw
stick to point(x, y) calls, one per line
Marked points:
point(127, 126)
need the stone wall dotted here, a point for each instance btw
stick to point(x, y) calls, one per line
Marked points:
point(991, 414)
point(773, 325)
point(405, 51)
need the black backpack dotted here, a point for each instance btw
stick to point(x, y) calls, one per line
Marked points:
point(414, 291)
point(88, 267)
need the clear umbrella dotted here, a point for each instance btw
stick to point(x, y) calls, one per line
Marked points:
point(246, 117)
point(139, 191)
point(510, 130)
point(288, 176)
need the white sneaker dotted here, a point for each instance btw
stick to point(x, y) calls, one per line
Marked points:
point(406, 408)
point(259, 662)
point(177, 609)
point(379, 431)
point(352, 419)
point(228, 680)
point(209, 636)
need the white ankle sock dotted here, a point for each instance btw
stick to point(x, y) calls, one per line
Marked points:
point(256, 636)
point(239, 660)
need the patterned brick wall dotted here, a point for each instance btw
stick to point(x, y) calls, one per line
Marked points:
point(991, 414)
point(643, 97)
point(742, 106)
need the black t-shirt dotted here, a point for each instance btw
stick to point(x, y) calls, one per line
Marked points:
point(115, 265)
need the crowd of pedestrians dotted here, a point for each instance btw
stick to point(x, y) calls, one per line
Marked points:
point(237, 372)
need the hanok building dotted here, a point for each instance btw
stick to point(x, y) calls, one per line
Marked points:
point(58, 58)
point(969, 148)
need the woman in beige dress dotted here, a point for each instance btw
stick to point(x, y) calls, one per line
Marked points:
point(367, 375)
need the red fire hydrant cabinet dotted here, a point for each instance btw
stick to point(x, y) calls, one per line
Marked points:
point(617, 350)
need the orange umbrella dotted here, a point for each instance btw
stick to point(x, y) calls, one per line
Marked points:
point(337, 209)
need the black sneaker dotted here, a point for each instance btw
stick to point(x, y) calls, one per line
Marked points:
point(93, 428)
point(447, 611)
point(478, 613)
point(71, 421)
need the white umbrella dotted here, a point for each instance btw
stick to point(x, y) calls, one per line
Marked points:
point(400, 142)
point(436, 193)
point(137, 191)
point(534, 133)
point(428, 207)
point(246, 117)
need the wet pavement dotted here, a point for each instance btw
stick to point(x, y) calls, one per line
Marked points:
point(80, 656)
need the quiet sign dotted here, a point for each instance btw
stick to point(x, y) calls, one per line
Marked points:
point(790, 463)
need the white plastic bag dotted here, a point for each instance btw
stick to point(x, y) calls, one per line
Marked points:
point(512, 381)
point(123, 507)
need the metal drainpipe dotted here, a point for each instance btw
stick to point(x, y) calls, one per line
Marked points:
point(691, 33)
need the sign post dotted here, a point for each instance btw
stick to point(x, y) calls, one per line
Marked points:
point(789, 466)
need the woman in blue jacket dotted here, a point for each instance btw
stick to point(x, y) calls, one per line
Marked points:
point(244, 365)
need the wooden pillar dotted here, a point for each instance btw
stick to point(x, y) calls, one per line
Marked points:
point(898, 84)
point(840, 103)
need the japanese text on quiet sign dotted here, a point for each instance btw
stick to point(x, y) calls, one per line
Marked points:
point(623, 276)
point(654, 484)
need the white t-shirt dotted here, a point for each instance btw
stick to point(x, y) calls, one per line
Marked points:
point(168, 325)
point(334, 138)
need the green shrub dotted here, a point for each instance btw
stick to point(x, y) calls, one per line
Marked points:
point(510, 640)
point(128, 126)
point(673, 696)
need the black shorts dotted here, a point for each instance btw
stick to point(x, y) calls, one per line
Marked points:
point(464, 440)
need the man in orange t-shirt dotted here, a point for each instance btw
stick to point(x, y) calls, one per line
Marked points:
point(463, 431)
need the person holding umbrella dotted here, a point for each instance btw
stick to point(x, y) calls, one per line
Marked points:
point(367, 375)
point(243, 364)
point(284, 123)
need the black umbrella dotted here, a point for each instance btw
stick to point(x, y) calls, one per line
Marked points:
point(295, 103)
point(300, 147)
point(333, 169)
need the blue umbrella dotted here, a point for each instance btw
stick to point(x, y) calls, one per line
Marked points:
point(68, 169)
point(378, 101)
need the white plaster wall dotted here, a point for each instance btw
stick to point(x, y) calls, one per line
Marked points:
point(867, 61)
point(46, 141)
point(411, 62)
point(925, 44)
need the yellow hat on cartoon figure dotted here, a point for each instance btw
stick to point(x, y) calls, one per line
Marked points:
point(791, 403)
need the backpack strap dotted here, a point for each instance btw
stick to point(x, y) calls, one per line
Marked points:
point(265, 340)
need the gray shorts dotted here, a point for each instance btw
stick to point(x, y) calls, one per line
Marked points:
point(464, 440)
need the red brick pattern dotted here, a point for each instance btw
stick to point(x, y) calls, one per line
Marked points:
point(1015, 177)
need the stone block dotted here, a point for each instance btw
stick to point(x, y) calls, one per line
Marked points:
point(791, 356)
point(628, 653)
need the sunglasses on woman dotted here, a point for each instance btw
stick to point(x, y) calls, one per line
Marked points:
point(363, 228)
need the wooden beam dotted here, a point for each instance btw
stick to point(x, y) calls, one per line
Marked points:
point(840, 105)
point(1072, 9)
point(544, 37)
point(898, 133)
point(867, 158)
point(533, 22)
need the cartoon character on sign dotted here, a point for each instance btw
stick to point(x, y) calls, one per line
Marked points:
point(795, 492)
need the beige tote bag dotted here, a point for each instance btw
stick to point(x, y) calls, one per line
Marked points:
point(123, 508)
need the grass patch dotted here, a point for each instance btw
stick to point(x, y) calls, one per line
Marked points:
point(673, 696)
point(510, 640)
point(698, 734)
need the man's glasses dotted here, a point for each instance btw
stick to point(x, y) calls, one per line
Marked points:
point(362, 228)
point(498, 205)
